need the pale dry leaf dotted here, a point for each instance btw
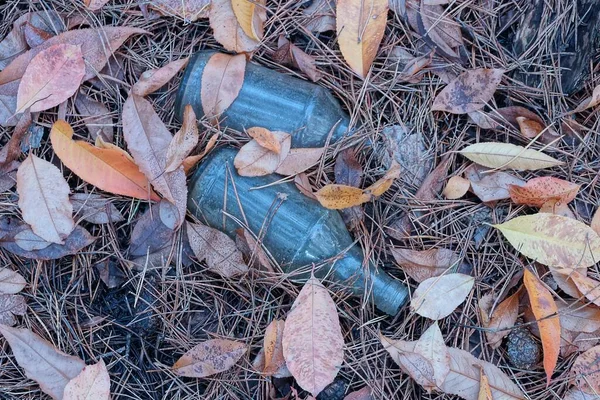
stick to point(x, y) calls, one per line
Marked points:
point(471, 91)
point(507, 155)
point(184, 141)
point(11, 305)
point(299, 160)
point(217, 249)
point(585, 371)
point(209, 358)
point(360, 26)
point(436, 298)
point(95, 209)
point(313, 345)
point(410, 152)
point(96, 117)
point(589, 102)
point(29, 241)
point(92, 383)
point(189, 10)
point(95, 5)
point(588, 287)
point(273, 347)
point(222, 80)
point(456, 187)
point(190, 161)
point(227, 30)
point(252, 249)
point(595, 223)
point(431, 346)
point(303, 184)
point(425, 264)
point(255, 160)
point(503, 317)
point(35, 36)
point(562, 277)
point(415, 365)
point(44, 199)
point(434, 24)
point(49, 367)
point(485, 392)
point(577, 394)
point(265, 138)
point(491, 186)
point(169, 215)
point(464, 378)
point(52, 77)
point(553, 240)
point(251, 16)
point(153, 79)
point(11, 282)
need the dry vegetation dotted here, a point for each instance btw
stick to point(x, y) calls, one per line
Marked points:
point(141, 327)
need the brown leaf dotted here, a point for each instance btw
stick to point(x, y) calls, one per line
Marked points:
point(222, 80)
point(538, 191)
point(348, 171)
point(321, 16)
point(273, 347)
point(150, 234)
point(265, 138)
point(576, 394)
point(302, 183)
point(361, 394)
point(190, 161)
point(337, 197)
point(456, 188)
point(543, 306)
point(491, 186)
point(93, 382)
point(579, 325)
point(434, 24)
point(437, 297)
point(422, 265)
point(251, 16)
point(12, 150)
point(153, 79)
point(97, 45)
point(410, 152)
point(503, 317)
point(385, 182)
point(586, 371)
point(189, 10)
point(35, 36)
point(255, 254)
point(469, 92)
point(217, 249)
point(184, 141)
point(11, 305)
point(589, 102)
point(11, 282)
point(77, 240)
point(44, 199)
point(588, 287)
point(415, 365)
point(209, 358)
point(227, 30)
point(50, 368)
point(96, 117)
point(148, 140)
point(529, 128)
point(256, 160)
point(299, 160)
point(313, 345)
point(52, 76)
point(95, 208)
point(360, 26)
point(290, 54)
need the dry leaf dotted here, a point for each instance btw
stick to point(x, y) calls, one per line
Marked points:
point(153, 79)
point(422, 265)
point(587, 372)
point(321, 14)
point(217, 249)
point(44, 199)
point(337, 197)
point(416, 365)
point(251, 16)
point(109, 168)
point(410, 152)
point(222, 80)
point(578, 325)
point(92, 383)
point(431, 346)
point(97, 45)
point(52, 76)
point(150, 235)
point(11, 282)
point(252, 250)
point(589, 102)
point(543, 306)
point(576, 394)
point(360, 27)
point(184, 141)
point(148, 139)
point(273, 347)
point(507, 155)
point(588, 287)
point(456, 188)
point(529, 128)
point(434, 24)
point(11, 305)
point(385, 182)
point(485, 392)
point(29, 241)
point(95, 209)
point(265, 138)
point(465, 376)
point(348, 171)
point(8, 103)
point(437, 297)
point(50, 368)
point(35, 36)
point(313, 345)
point(562, 278)
point(491, 186)
point(227, 30)
point(503, 317)
point(189, 10)
point(94, 5)
point(302, 183)
point(553, 240)
point(471, 91)
point(361, 394)
point(256, 160)
point(209, 358)
point(538, 191)
point(299, 160)
point(289, 54)
point(96, 117)
point(190, 161)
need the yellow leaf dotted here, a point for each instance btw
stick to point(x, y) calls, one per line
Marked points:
point(249, 16)
point(336, 197)
point(553, 240)
point(507, 155)
point(383, 184)
point(360, 26)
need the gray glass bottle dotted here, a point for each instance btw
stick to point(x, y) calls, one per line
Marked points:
point(271, 100)
point(297, 231)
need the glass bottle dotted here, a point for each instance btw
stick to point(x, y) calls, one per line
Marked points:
point(271, 100)
point(296, 230)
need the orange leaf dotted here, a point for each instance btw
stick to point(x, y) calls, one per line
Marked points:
point(456, 188)
point(529, 127)
point(153, 79)
point(190, 161)
point(538, 191)
point(273, 347)
point(265, 138)
point(222, 80)
point(385, 182)
point(589, 287)
point(543, 306)
point(336, 197)
point(107, 168)
point(184, 140)
point(250, 17)
point(227, 30)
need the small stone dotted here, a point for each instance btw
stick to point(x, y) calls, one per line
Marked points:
point(522, 349)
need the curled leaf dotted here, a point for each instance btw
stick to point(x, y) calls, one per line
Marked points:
point(184, 140)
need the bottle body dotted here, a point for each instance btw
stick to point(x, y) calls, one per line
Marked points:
point(296, 230)
point(271, 100)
